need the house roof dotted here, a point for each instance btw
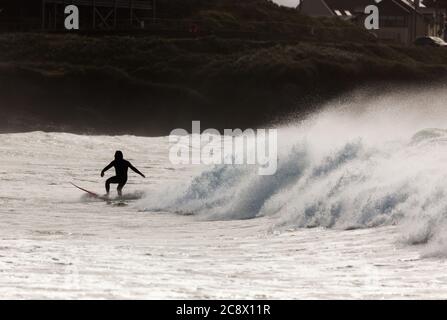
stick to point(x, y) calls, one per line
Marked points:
point(343, 7)
point(346, 8)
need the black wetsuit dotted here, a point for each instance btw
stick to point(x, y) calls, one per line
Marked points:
point(121, 168)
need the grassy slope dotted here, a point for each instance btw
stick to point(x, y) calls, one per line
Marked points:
point(149, 85)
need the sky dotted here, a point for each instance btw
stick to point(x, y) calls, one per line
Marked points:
point(289, 3)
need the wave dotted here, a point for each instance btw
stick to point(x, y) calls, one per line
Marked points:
point(362, 162)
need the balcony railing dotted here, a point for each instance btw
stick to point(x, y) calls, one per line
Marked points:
point(134, 4)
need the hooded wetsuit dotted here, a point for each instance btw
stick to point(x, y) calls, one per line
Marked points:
point(121, 168)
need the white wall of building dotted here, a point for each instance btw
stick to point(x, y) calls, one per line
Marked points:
point(287, 3)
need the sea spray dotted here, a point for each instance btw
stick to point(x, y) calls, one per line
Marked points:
point(364, 161)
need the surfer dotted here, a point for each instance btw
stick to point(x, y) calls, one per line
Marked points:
point(121, 167)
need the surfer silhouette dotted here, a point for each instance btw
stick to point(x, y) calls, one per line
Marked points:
point(121, 167)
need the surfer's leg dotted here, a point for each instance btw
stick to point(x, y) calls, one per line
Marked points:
point(121, 185)
point(108, 182)
point(108, 186)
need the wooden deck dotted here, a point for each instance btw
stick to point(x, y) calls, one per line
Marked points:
point(99, 14)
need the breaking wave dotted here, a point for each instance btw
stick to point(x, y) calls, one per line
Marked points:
point(364, 161)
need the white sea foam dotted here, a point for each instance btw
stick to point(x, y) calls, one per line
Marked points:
point(364, 161)
point(98, 250)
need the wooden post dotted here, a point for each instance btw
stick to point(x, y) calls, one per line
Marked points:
point(131, 13)
point(43, 14)
point(22, 21)
point(55, 16)
point(154, 9)
point(94, 14)
point(63, 15)
point(114, 15)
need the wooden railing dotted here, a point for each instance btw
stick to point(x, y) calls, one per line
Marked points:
point(135, 4)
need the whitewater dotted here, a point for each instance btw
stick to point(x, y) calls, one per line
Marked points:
point(356, 209)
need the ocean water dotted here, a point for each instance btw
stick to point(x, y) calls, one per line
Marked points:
point(357, 209)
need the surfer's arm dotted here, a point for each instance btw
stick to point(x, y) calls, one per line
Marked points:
point(136, 170)
point(106, 168)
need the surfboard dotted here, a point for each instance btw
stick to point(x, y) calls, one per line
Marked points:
point(91, 193)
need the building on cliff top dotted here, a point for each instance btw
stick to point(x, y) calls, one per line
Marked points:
point(400, 21)
point(25, 15)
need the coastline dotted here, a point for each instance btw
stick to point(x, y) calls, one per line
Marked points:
point(167, 83)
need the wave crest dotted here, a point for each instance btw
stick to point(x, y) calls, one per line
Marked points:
point(339, 169)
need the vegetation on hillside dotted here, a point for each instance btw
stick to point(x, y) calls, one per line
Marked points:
point(151, 84)
point(260, 19)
